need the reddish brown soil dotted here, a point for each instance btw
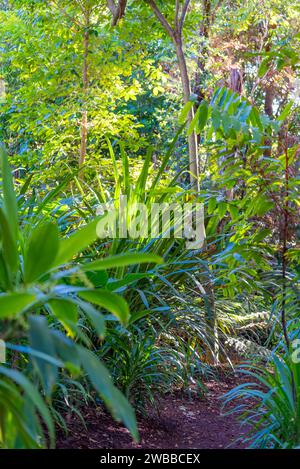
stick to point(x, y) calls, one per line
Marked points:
point(183, 422)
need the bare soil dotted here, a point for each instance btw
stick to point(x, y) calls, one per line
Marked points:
point(183, 422)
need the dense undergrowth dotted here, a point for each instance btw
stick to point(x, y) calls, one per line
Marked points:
point(149, 314)
point(118, 321)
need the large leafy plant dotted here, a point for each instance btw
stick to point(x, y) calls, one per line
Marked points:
point(171, 301)
point(45, 295)
point(271, 403)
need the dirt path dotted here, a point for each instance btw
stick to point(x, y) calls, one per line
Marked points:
point(183, 423)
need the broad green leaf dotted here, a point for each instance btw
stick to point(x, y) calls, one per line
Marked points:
point(98, 278)
point(9, 245)
point(33, 395)
point(260, 235)
point(96, 318)
point(285, 112)
point(212, 225)
point(202, 115)
point(185, 111)
point(127, 280)
point(66, 350)
point(77, 242)
point(40, 339)
point(125, 166)
point(234, 211)
point(113, 398)
point(10, 205)
point(211, 205)
point(194, 124)
point(122, 260)
point(26, 185)
point(110, 301)
point(255, 119)
point(41, 252)
point(63, 309)
point(142, 179)
point(14, 303)
point(222, 208)
point(263, 68)
point(262, 205)
point(66, 312)
point(216, 118)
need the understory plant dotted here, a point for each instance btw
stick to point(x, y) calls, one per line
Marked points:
point(46, 304)
point(172, 301)
point(268, 402)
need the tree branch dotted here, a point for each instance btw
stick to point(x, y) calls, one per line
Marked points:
point(183, 15)
point(213, 16)
point(117, 10)
point(66, 14)
point(177, 14)
point(161, 18)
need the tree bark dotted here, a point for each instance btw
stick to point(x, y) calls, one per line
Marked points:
point(84, 135)
point(175, 34)
point(269, 96)
point(192, 139)
point(268, 107)
point(85, 84)
point(203, 52)
point(117, 10)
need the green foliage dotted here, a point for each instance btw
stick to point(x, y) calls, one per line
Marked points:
point(33, 285)
point(45, 83)
point(92, 112)
point(273, 397)
point(139, 366)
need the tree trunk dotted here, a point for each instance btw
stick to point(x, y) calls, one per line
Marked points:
point(212, 323)
point(84, 134)
point(211, 316)
point(192, 140)
point(268, 106)
point(269, 96)
point(84, 120)
point(175, 34)
point(203, 52)
point(117, 10)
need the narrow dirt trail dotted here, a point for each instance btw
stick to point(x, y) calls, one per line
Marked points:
point(183, 422)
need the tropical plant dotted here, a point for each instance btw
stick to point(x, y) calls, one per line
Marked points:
point(270, 403)
point(141, 368)
point(41, 288)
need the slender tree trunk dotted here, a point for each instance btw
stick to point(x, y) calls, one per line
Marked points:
point(117, 10)
point(203, 52)
point(175, 33)
point(269, 96)
point(284, 259)
point(192, 140)
point(285, 245)
point(84, 119)
point(268, 108)
point(212, 323)
point(211, 317)
point(84, 135)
